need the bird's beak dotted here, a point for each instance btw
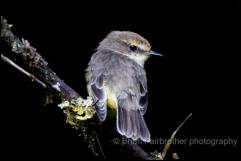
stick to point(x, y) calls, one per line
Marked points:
point(154, 53)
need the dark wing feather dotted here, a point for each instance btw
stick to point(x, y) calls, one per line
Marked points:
point(143, 101)
point(99, 96)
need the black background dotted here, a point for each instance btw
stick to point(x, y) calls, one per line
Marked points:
point(199, 74)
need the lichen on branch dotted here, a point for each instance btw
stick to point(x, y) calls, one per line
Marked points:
point(83, 108)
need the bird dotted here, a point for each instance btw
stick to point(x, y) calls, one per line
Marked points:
point(116, 79)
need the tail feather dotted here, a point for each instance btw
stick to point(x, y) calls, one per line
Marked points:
point(130, 122)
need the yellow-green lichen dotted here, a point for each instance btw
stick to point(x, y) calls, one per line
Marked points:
point(78, 110)
point(83, 108)
point(156, 155)
point(175, 156)
point(48, 99)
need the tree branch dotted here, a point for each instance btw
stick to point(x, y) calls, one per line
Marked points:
point(10, 62)
point(169, 142)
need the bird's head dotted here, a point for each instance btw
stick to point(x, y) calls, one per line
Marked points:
point(130, 44)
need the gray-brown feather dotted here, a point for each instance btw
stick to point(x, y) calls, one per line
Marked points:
point(99, 96)
point(130, 121)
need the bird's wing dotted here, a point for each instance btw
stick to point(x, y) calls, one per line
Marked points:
point(99, 96)
point(130, 121)
point(143, 101)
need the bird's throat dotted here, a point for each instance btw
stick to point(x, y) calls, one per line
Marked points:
point(139, 58)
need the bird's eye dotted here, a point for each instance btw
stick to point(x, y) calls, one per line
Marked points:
point(133, 47)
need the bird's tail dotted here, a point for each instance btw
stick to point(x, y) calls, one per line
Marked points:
point(130, 121)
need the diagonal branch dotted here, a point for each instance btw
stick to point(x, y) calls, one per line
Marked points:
point(31, 60)
point(167, 146)
point(10, 62)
